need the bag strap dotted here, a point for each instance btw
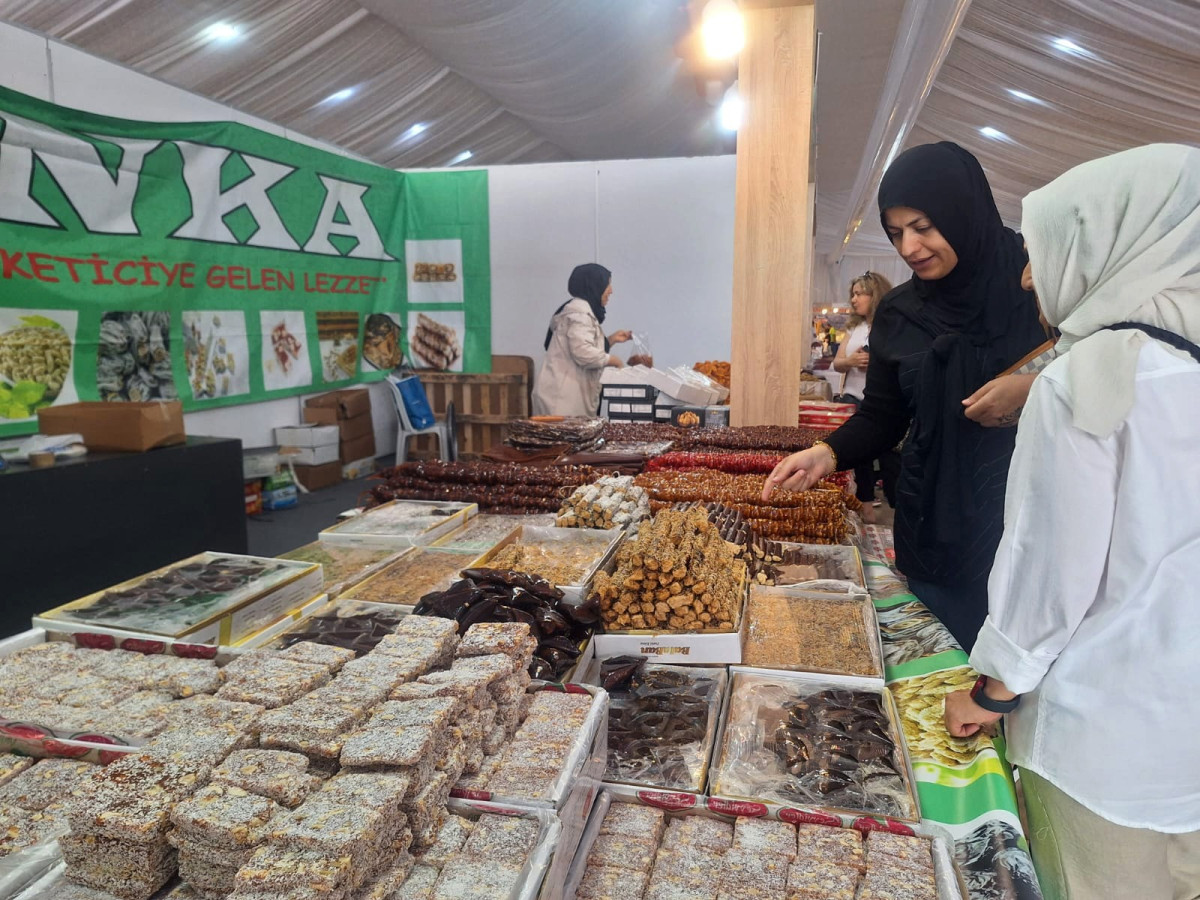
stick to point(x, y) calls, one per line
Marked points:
point(1159, 334)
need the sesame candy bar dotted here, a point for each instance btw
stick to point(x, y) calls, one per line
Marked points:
point(443, 630)
point(890, 882)
point(97, 694)
point(194, 676)
point(131, 799)
point(419, 884)
point(50, 781)
point(635, 821)
point(426, 653)
point(204, 744)
point(276, 774)
point(602, 883)
point(387, 882)
point(767, 836)
point(486, 638)
point(898, 846)
point(496, 666)
point(425, 808)
point(198, 850)
point(383, 670)
point(99, 853)
point(616, 851)
point(494, 740)
point(563, 707)
point(21, 828)
point(823, 843)
point(420, 690)
point(325, 655)
point(382, 791)
point(533, 781)
point(312, 727)
point(207, 877)
point(222, 815)
point(751, 876)
point(327, 827)
point(688, 863)
point(450, 839)
point(276, 869)
point(808, 880)
point(409, 745)
point(427, 835)
point(128, 884)
point(351, 692)
point(697, 831)
point(12, 765)
point(468, 879)
point(435, 712)
point(203, 708)
point(501, 837)
point(671, 888)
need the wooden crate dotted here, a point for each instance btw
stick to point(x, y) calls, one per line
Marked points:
point(482, 404)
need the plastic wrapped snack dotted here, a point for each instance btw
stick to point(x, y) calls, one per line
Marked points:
point(813, 741)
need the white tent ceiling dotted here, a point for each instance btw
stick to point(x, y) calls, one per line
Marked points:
point(543, 80)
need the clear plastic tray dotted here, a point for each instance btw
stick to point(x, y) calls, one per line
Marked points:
point(811, 631)
point(344, 565)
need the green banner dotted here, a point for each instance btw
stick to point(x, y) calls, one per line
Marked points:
point(220, 265)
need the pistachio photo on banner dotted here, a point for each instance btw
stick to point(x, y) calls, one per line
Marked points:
point(217, 264)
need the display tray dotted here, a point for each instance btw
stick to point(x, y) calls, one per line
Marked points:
point(822, 742)
point(594, 547)
point(406, 580)
point(811, 631)
point(343, 565)
point(835, 567)
point(711, 647)
point(533, 874)
point(400, 523)
point(662, 726)
point(354, 624)
point(676, 805)
point(209, 598)
point(485, 531)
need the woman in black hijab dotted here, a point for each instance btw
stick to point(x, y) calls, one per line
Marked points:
point(568, 383)
point(940, 347)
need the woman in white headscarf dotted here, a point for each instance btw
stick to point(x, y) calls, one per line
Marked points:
point(1093, 618)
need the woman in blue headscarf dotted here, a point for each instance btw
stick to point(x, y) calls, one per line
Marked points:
point(568, 383)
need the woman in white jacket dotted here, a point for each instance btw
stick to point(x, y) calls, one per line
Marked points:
point(568, 383)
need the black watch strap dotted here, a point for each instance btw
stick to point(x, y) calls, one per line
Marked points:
point(983, 700)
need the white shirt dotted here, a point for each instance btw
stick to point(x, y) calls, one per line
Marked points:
point(1094, 610)
point(856, 379)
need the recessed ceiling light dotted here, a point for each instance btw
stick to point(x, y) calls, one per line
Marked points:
point(413, 131)
point(339, 96)
point(462, 157)
point(1028, 98)
point(222, 31)
point(994, 133)
point(722, 31)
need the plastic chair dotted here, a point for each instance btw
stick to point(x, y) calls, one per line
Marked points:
point(444, 430)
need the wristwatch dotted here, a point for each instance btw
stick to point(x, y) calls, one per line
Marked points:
point(996, 706)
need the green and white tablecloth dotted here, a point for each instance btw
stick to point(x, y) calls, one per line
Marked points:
point(965, 786)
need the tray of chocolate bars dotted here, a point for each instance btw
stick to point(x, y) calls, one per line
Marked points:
point(818, 741)
point(400, 523)
point(837, 568)
point(351, 624)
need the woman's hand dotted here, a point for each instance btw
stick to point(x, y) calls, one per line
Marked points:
point(965, 717)
point(615, 362)
point(620, 337)
point(999, 402)
point(859, 359)
point(800, 471)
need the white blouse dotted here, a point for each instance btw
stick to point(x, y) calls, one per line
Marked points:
point(1094, 610)
point(855, 381)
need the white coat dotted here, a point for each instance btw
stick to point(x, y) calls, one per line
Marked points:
point(568, 381)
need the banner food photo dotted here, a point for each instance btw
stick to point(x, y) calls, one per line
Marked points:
point(220, 265)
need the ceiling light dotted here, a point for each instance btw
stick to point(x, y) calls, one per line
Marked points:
point(462, 157)
point(222, 31)
point(729, 114)
point(722, 31)
point(1028, 98)
point(825, 311)
point(994, 133)
point(339, 96)
point(413, 131)
point(1066, 45)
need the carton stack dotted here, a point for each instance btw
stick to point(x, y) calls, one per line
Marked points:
point(350, 412)
point(313, 451)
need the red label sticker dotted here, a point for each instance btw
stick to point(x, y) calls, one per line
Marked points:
point(141, 645)
point(804, 817)
point(90, 641)
point(865, 823)
point(23, 732)
point(667, 800)
point(93, 738)
point(470, 795)
point(196, 651)
point(66, 751)
point(736, 807)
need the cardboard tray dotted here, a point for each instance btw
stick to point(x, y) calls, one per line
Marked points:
point(688, 648)
point(949, 880)
point(816, 682)
point(243, 612)
point(605, 540)
point(792, 595)
point(716, 707)
point(847, 554)
point(356, 530)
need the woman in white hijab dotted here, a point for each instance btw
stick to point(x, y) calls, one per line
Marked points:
point(1093, 620)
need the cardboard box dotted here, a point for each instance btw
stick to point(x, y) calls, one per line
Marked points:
point(308, 436)
point(358, 448)
point(348, 403)
point(117, 426)
point(348, 429)
point(360, 468)
point(311, 456)
point(321, 476)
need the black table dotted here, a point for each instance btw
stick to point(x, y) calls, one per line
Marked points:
point(86, 524)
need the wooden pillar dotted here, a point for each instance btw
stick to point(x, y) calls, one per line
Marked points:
point(772, 228)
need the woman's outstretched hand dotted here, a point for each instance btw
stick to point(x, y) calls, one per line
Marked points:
point(800, 471)
point(998, 403)
point(620, 337)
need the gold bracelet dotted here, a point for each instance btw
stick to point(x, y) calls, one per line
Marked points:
point(832, 452)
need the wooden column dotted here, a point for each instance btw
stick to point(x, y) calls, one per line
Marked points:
point(772, 231)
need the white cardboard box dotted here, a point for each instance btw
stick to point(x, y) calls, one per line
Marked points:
point(310, 456)
point(308, 436)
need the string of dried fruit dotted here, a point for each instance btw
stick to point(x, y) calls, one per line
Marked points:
point(735, 462)
point(493, 473)
point(677, 575)
point(708, 484)
point(763, 438)
point(496, 487)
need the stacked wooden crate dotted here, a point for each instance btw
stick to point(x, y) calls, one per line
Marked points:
point(482, 404)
